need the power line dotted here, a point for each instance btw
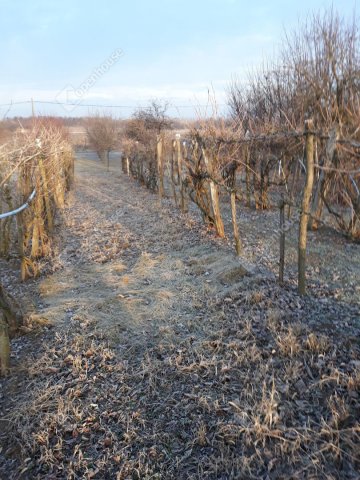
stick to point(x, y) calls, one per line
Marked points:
point(15, 103)
point(80, 104)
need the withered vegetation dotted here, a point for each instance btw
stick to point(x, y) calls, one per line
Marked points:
point(253, 396)
point(37, 160)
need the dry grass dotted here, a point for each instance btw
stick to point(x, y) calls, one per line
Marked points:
point(245, 403)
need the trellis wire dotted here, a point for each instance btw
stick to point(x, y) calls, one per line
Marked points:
point(20, 209)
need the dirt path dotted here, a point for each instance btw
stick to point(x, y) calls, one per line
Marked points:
point(134, 265)
point(130, 265)
point(166, 357)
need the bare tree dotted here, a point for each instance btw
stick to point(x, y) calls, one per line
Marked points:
point(144, 133)
point(103, 135)
point(148, 121)
point(316, 75)
point(154, 117)
point(324, 58)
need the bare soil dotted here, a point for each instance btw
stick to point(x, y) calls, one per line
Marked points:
point(160, 355)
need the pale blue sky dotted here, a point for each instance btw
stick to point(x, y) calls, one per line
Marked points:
point(171, 49)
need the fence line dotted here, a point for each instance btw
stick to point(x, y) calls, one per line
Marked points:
point(199, 167)
point(282, 135)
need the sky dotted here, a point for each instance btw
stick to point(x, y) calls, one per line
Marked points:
point(126, 53)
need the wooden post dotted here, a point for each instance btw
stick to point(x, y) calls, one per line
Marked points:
point(182, 155)
point(304, 217)
point(46, 195)
point(282, 241)
point(238, 245)
point(4, 345)
point(214, 194)
point(160, 165)
point(323, 183)
point(5, 225)
point(292, 188)
point(180, 173)
point(174, 169)
point(248, 188)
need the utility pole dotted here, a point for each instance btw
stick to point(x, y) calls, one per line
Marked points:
point(33, 108)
